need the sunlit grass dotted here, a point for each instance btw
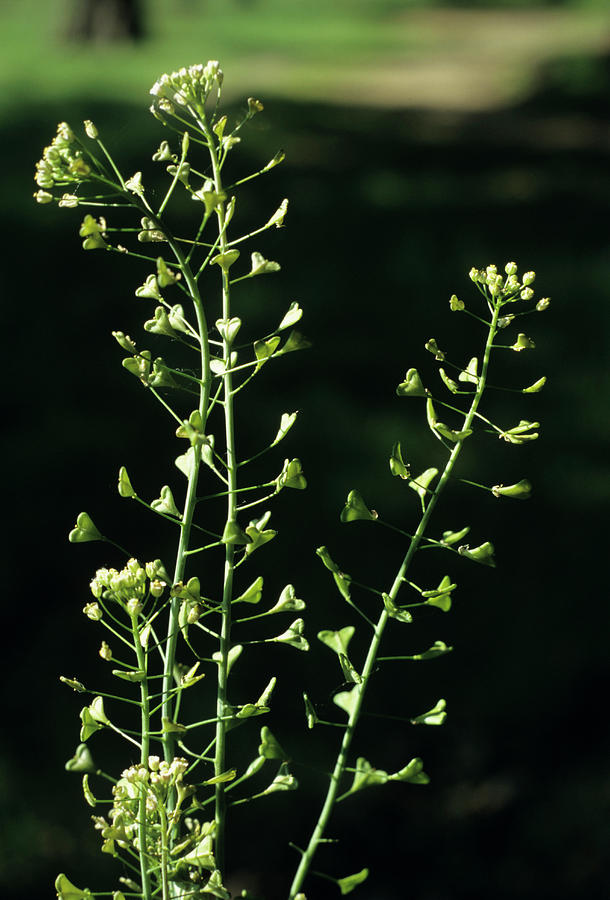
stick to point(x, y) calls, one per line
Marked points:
point(351, 51)
point(37, 63)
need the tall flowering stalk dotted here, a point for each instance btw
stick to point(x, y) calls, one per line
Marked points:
point(505, 300)
point(168, 818)
point(167, 813)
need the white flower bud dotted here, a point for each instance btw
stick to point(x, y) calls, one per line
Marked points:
point(496, 284)
point(510, 268)
point(44, 174)
point(529, 278)
point(178, 767)
point(212, 71)
point(151, 570)
point(90, 129)
point(93, 611)
point(165, 106)
point(134, 607)
point(157, 587)
point(65, 132)
point(115, 581)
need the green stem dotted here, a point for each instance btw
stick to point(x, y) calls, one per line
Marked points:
point(371, 658)
point(191, 493)
point(227, 590)
point(144, 753)
point(112, 163)
point(164, 853)
point(169, 693)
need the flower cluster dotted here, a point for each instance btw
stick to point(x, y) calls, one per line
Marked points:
point(186, 88)
point(129, 586)
point(153, 783)
point(509, 289)
point(63, 162)
point(159, 774)
point(122, 825)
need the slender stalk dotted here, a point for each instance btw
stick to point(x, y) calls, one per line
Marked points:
point(169, 695)
point(232, 489)
point(371, 658)
point(142, 658)
point(164, 853)
point(191, 493)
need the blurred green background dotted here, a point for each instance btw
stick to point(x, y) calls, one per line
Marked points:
point(421, 139)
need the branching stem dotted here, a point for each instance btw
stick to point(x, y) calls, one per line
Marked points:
point(371, 658)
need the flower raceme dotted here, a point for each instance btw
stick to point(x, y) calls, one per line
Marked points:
point(63, 162)
point(186, 87)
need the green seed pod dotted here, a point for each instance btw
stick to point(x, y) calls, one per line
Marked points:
point(522, 490)
point(412, 385)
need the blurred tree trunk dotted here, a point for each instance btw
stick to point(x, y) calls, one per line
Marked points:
point(107, 20)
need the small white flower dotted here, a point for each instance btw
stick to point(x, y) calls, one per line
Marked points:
point(68, 200)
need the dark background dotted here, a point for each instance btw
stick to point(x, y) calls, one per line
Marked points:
point(390, 207)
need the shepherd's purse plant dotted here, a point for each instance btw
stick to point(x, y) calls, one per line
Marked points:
point(174, 631)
